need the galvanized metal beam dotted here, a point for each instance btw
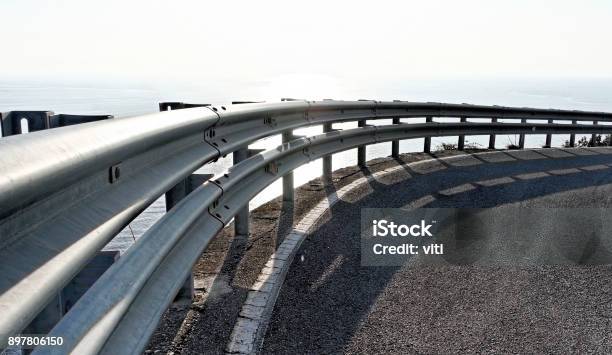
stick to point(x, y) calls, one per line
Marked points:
point(59, 205)
point(83, 184)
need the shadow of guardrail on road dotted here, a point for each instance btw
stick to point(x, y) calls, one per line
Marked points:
point(327, 297)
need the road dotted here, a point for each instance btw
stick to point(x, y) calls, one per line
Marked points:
point(331, 304)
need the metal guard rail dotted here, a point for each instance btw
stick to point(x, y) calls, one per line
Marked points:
point(65, 193)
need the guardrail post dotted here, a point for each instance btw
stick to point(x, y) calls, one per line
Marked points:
point(48, 317)
point(173, 197)
point(71, 293)
point(327, 160)
point(492, 136)
point(241, 219)
point(395, 144)
point(572, 141)
point(62, 120)
point(361, 150)
point(427, 140)
point(594, 135)
point(522, 136)
point(173, 105)
point(548, 143)
point(461, 142)
point(11, 122)
point(288, 192)
point(176, 193)
point(183, 188)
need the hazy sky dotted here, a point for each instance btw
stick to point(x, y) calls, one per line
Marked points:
point(315, 41)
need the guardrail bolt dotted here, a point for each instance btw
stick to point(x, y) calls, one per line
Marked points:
point(114, 173)
point(269, 121)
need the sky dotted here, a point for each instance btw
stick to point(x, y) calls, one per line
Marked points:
point(291, 45)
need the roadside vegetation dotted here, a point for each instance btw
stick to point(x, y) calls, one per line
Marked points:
point(588, 141)
point(585, 141)
point(453, 146)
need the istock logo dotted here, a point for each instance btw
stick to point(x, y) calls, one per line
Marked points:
point(383, 228)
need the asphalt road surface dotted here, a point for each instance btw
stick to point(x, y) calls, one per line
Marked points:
point(331, 304)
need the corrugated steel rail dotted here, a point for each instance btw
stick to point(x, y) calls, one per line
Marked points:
point(65, 193)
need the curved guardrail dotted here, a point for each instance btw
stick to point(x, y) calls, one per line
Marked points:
point(65, 193)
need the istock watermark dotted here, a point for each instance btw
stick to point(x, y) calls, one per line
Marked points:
point(383, 228)
point(506, 235)
point(392, 236)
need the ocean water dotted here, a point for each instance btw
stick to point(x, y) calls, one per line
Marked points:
point(130, 99)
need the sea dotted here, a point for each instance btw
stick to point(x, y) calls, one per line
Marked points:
point(126, 99)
